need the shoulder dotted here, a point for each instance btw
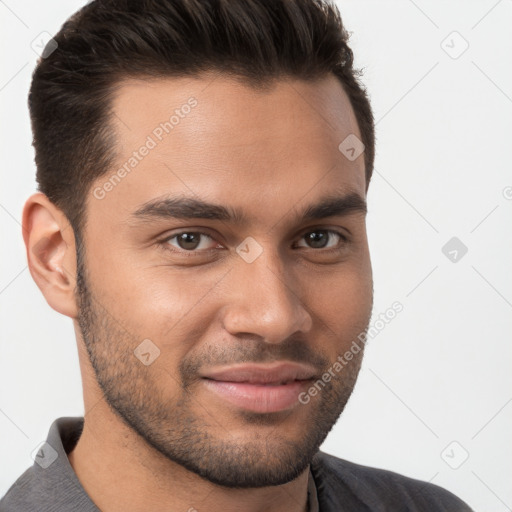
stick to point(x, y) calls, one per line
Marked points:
point(19, 493)
point(378, 489)
point(50, 483)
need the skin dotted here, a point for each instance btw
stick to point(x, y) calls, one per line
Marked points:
point(155, 438)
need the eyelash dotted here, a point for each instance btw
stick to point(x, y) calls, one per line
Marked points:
point(193, 253)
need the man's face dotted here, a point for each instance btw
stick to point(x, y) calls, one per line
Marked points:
point(177, 303)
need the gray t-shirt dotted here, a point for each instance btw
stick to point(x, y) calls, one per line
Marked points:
point(335, 485)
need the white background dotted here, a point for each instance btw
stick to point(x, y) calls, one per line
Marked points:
point(441, 370)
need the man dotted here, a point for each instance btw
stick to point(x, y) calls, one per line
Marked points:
point(203, 170)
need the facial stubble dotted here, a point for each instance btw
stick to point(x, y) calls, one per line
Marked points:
point(257, 455)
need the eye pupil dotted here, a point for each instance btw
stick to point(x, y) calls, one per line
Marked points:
point(317, 239)
point(188, 241)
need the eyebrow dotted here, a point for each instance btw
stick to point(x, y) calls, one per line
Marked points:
point(191, 208)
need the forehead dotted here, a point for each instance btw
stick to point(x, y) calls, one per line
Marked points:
point(216, 138)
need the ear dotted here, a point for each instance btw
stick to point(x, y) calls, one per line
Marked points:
point(50, 245)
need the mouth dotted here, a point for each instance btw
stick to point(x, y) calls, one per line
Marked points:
point(263, 389)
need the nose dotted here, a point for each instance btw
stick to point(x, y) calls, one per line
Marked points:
point(263, 300)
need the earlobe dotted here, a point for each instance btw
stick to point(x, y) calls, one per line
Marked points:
point(51, 256)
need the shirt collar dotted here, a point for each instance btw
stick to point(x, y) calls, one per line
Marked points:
point(312, 493)
point(52, 467)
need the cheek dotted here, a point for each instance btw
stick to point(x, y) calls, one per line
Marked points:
point(167, 305)
point(174, 306)
point(342, 300)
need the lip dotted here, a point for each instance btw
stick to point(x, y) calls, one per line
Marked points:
point(262, 374)
point(260, 388)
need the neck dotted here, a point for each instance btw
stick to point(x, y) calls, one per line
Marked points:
point(120, 472)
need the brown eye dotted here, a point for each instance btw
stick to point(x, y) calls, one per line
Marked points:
point(190, 241)
point(322, 238)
